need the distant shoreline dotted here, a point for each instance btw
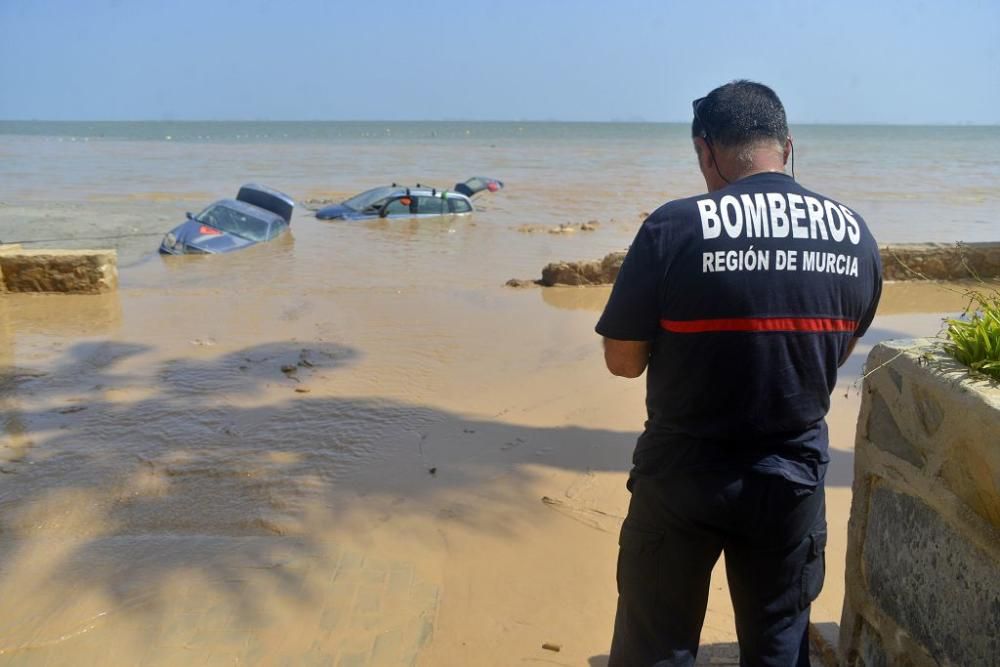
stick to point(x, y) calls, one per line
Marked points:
point(356, 121)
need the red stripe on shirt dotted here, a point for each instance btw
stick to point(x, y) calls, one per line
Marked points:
point(806, 324)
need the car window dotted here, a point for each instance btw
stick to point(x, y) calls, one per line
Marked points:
point(276, 229)
point(430, 206)
point(399, 206)
point(234, 221)
point(362, 201)
point(458, 205)
point(375, 207)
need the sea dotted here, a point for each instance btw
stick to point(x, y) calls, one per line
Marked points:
point(124, 184)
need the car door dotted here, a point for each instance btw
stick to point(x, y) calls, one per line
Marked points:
point(431, 205)
point(400, 207)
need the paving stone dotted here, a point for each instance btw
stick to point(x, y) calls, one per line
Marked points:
point(368, 600)
point(353, 660)
point(387, 649)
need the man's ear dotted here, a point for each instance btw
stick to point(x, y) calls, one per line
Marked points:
point(788, 149)
point(705, 157)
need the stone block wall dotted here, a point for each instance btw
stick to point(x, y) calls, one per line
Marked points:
point(901, 261)
point(940, 261)
point(923, 560)
point(58, 271)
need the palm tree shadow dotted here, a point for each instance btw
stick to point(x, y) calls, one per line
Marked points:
point(211, 473)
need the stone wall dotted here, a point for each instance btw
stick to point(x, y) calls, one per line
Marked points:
point(923, 559)
point(58, 271)
point(940, 261)
point(904, 261)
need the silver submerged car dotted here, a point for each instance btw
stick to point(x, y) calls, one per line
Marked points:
point(419, 201)
point(258, 214)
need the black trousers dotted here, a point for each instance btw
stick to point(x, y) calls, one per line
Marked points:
point(773, 533)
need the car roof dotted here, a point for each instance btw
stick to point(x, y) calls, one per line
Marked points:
point(420, 190)
point(250, 209)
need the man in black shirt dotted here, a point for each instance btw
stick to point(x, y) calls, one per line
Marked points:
point(740, 304)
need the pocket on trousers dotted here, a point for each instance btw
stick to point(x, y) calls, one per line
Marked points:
point(814, 570)
point(637, 549)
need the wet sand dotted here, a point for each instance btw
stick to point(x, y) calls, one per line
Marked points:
point(255, 467)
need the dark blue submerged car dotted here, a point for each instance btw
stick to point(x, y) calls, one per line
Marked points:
point(419, 201)
point(257, 214)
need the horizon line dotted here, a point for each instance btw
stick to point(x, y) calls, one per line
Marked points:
point(470, 120)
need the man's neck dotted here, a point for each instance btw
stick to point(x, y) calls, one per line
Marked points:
point(761, 169)
point(765, 159)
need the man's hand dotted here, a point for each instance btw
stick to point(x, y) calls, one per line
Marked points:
point(626, 358)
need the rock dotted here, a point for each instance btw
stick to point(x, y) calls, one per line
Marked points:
point(531, 229)
point(563, 229)
point(520, 283)
point(59, 271)
point(590, 226)
point(601, 272)
point(549, 646)
point(302, 390)
point(289, 368)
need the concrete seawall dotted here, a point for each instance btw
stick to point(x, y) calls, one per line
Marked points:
point(58, 271)
point(904, 261)
point(923, 556)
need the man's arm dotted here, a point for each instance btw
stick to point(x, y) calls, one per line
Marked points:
point(631, 318)
point(626, 358)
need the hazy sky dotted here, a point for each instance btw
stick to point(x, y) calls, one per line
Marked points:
point(847, 61)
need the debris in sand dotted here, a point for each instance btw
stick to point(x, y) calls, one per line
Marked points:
point(203, 342)
point(71, 410)
point(304, 359)
point(588, 516)
point(288, 369)
point(590, 226)
point(549, 646)
point(432, 471)
point(302, 390)
point(521, 284)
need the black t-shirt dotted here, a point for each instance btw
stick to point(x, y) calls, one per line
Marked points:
point(749, 296)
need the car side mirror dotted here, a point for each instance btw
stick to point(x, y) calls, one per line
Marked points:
point(189, 216)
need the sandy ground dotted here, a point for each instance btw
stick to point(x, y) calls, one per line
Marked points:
point(332, 477)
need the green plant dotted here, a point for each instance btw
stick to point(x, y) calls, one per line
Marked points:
point(975, 339)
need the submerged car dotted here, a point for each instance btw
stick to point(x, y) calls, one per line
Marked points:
point(397, 201)
point(257, 214)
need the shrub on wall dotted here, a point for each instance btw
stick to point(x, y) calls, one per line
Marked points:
point(975, 338)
